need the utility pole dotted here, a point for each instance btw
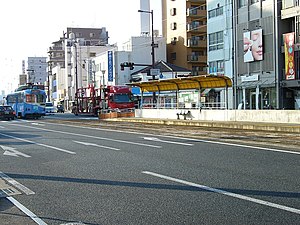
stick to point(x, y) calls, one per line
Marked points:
point(48, 83)
point(152, 47)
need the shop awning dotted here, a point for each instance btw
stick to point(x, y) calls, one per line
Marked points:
point(184, 83)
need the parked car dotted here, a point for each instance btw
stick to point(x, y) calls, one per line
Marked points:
point(60, 109)
point(49, 108)
point(7, 112)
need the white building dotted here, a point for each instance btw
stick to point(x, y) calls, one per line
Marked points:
point(107, 69)
point(220, 41)
point(37, 70)
point(76, 74)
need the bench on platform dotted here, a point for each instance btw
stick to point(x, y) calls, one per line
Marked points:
point(185, 114)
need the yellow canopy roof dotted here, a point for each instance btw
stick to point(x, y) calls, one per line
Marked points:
point(184, 83)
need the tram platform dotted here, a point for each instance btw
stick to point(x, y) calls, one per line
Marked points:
point(261, 126)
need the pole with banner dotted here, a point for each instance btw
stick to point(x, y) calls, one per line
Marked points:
point(289, 55)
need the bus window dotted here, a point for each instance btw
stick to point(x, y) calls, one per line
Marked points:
point(20, 97)
point(30, 98)
point(40, 98)
point(11, 99)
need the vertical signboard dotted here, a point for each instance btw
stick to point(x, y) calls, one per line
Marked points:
point(90, 71)
point(110, 66)
point(289, 55)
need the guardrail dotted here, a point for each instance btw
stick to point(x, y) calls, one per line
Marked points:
point(182, 105)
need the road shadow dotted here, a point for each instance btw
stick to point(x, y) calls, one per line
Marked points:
point(153, 185)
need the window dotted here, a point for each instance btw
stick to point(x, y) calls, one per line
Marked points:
point(193, 11)
point(173, 55)
point(216, 66)
point(242, 3)
point(216, 41)
point(195, 25)
point(174, 26)
point(254, 1)
point(173, 12)
point(173, 40)
point(215, 12)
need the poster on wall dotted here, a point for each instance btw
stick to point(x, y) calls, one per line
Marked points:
point(253, 45)
point(289, 55)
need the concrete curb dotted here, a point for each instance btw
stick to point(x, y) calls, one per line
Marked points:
point(276, 127)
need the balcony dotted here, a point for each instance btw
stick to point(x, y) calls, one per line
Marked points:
point(197, 28)
point(197, 43)
point(196, 13)
point(197, 58)
point(197, 1)
point(55, 49)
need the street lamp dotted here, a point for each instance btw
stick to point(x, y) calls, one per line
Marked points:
point(74, 44)
point(152, 45)
point(103, 80)
point(48, 84)
point(76, 72)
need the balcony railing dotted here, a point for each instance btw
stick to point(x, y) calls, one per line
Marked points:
point(197, 43)
point(196, 1)
point(197, 58)
point(195, 12)
point(196, 28)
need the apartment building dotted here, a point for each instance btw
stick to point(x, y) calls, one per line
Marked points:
point(185, 30)
point(37, 70)
point(68, 60)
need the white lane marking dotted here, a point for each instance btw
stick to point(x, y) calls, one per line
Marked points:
point(26, 211)
point(89, 136)
point(95, 145)
point(38, 124)
point(16, 184)
point(249, 146)
point(40, 144)
point(170, 142)
point(2, 127)
point(13, 152)
point(183, 138)
point(223, 192)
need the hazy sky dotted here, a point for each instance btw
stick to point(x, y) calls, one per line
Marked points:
point(28, 27)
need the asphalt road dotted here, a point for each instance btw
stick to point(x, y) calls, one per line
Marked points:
point(76, 172)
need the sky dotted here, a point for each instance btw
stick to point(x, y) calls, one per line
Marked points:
point(29, 27)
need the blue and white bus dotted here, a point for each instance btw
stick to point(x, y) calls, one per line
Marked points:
point(28, 101)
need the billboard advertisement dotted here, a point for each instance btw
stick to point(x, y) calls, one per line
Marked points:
point(289, 55)
point(253, 45)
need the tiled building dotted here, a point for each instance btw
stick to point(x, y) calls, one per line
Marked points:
point(266, 73)
point(184, 27)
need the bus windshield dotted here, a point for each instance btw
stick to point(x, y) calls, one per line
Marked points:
point(120, 98)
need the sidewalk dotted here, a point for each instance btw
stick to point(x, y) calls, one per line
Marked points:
point(278, 127)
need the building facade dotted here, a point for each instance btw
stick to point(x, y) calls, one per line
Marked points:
point(290, 14)
point(136, 50)
point(184, 27)
point(266, 68)
point(37, 70)
point(67, 62)
point(220, 45)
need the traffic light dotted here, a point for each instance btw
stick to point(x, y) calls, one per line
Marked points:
point(131, 65)
point(127, 64)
